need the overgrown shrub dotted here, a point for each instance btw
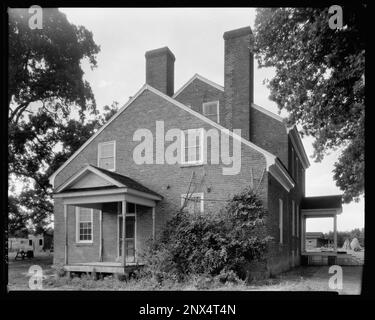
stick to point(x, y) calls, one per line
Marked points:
point(224, 243)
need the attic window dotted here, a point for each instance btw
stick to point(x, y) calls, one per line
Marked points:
point(107, 155)
point(211, 110)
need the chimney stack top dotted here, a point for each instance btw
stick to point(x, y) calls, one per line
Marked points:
point(159, 52)
point(237, 33)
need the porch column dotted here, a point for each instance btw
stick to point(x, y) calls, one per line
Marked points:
point(100, 235)
point(303, 226)
point(123, 232)
point(335, 232)
point(153, 223)
point(66, 234)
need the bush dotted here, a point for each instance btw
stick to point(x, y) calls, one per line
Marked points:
point(210, 244)
point(59, 271)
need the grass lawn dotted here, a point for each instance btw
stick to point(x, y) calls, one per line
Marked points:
point(311, 278)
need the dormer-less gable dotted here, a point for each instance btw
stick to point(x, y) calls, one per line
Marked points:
point(203, 96)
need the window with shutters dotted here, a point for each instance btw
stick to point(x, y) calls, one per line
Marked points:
point(211, 110)
point(107, 155)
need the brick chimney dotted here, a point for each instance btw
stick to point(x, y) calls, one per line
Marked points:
point(238, 79)
point(160, 70)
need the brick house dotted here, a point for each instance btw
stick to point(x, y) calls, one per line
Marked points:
point(106, 202)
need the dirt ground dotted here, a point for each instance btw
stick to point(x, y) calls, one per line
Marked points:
point(311, 278)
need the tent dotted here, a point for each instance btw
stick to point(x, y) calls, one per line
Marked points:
point(355, 245)
point(346, 245)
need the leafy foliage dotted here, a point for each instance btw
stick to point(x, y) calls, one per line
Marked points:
point(213, 244)
point(320, 81)
point(46, 93)
point(44, 64)
point(42, 145)
point(343, 235)
point(16, 219)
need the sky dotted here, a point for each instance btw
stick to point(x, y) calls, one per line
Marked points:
point(195, 36)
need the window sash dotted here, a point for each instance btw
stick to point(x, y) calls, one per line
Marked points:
point(189, 142)
point(194, 203)
point(107, 155)
point(211, 110)
point(84, 225)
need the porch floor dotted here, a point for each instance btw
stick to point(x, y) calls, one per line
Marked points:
point(102, 267)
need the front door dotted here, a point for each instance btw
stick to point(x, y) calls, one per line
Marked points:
point(130, 238)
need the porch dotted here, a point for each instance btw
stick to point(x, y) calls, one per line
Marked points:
point(107, 218)
point(320, 207)
point(102, 267)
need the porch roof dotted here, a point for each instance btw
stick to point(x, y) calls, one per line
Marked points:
point(92, 184)
point(116, 181)
point(322, 206)
point(322, 202)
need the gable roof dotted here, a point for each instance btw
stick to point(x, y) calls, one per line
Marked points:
point(199, 77)
point(298, 146)
point(268, 113)
point(271, 159)
point(295, 138)
point(117, 180)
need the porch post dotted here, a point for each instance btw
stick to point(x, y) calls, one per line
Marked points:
point(303, 220)
point(66, 234)
point(123, 233)
point(100, 235)
point(335, 232)
point(153, 223)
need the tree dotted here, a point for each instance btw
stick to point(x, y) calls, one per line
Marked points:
point(16, 219)
point(45, 88)
point(319, 80)
point(41, 159)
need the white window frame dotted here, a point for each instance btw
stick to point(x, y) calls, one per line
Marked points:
point(78, 229)
point(100, 144)
point(217, 108)
point(281, 217)
point(183, 144)
point(293, 219)
point(193, 195)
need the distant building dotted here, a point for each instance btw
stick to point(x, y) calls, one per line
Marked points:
point(315, 240)
point(32, 242)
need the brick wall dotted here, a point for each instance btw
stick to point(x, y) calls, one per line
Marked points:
point(279, 255)
point(269, 134)
point(168, 180)
point(198, 92)
point(160, 70)
point(238, 79)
